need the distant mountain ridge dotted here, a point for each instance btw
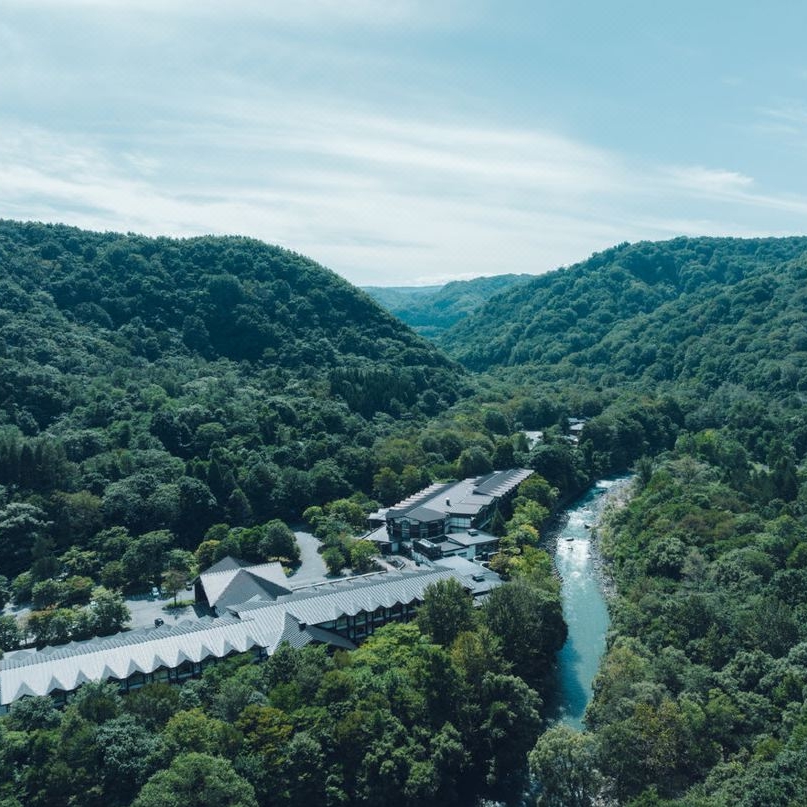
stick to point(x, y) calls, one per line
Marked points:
point(689, 310)
point(431, 310)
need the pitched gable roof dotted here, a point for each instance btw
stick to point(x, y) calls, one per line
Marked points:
point(466, 497)
point(226, 564)
point(231, 581)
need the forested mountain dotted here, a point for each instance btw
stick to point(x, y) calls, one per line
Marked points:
point(700, 698)
point(694, 353)
point(170, 384)
point(150, 388)
point(400, 296)
point(431, 310)
point(159, 396)
point(685, 312)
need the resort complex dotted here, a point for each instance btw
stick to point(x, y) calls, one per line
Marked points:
point(447, 519)
point(256, 608)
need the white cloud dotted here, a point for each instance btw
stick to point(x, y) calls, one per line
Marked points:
point(788, 113)
point(381, 199)
point(786, 121)
point(731, 187)
point(410, 154)
point(699, 179)
point(375, 199)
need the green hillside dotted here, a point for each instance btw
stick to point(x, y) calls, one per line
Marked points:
point(158, 383)
point(400, 296)
point(688, 360)
point(151, 388)
point(431, 310)
point(688, 311)
point(158, 396)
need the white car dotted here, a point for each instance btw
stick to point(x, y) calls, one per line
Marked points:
point(155, 592)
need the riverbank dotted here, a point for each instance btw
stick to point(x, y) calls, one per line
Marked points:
point(571, 542)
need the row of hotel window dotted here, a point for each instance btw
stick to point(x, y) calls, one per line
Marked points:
point(364, 623)
point(352, 627)
point(407, 529)
point(162, 675)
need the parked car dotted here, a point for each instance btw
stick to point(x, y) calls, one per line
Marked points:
point(155, 592)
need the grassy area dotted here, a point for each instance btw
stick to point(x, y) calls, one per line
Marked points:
point(178, 605)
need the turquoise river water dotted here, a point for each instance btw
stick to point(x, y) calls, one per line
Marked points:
point(584, 606)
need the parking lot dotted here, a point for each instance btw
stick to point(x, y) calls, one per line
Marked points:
point(145, 609)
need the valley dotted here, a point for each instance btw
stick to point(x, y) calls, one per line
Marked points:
point(167, 404)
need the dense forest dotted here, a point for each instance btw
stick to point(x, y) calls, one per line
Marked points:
point(163, 402)
point(440, 710)
point(704, 683)
point(405, 720)
point(432, 310)
point(700, 701)
point(689, 311)
point(158, 395)
point(302, 729)
point(159, 387)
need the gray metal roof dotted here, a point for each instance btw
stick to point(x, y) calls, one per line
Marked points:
point(427, 494)
point(237, 583)
point(379, 535)
point(500, 483)
point(466, 497)
point(423, 513)
point(479, 579)
point(226, 564)
point(261, 624)
point(118, 656)
point(326, 603)
point(468, 508)
point(468, 539)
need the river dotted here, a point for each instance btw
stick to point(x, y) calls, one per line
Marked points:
point(583, 596)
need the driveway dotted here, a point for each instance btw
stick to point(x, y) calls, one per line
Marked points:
point(145, 609)
point(312, 567)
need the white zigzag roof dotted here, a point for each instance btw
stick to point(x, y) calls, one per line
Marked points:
point(258, 625)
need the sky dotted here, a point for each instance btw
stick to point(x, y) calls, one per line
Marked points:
point(406, 142)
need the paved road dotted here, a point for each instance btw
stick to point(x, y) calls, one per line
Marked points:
point(312, 566)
